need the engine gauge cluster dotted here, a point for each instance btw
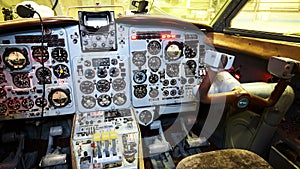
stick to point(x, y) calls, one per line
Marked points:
point(163, 70)
point(103, 83)
point(27, 72)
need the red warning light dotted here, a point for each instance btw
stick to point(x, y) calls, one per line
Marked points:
point(133, 37)
point(168, 36)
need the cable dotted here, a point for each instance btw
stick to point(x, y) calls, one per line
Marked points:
point(55, 4)
point(26, 11)
point(42, 59)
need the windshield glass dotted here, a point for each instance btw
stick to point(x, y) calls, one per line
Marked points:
point(199, 11)
point(277, 16)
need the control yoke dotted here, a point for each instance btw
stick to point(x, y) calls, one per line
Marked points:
point(283, 68)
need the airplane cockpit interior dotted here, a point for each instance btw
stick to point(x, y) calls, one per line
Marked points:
point(148, 84)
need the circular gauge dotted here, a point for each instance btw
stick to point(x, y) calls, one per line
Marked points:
point(166, 82)
point(180, 92)
point(104, 100)
point(59, 54)
point(165, 92)
point(15, 59)
point(103, 85)
point(88, 102)
point(190, 52)
point(3, 108)
point(118, 84)
point(2, 92)
point(172, 70)
point(61, 71)
point(139, 58)
point(13, 104)
point(173, 92)
point(40, 55)
point(87, 63)
point(145, 117)
point(21, 80)
point(27, 103)
point(102, 72)
point(173, 82)
point(114, 72)
point(119, 99)
point(2, 77)
point(114, 61)
point(89, 73)
point(153, 78)
point(139, 77)
point(41, 102)
point(153, 93)
point(140, 91)
point(183, 80)
point(59, 97)
point(154, 63)
point(191, 67)
point(43, 75)
point(87, 87)
point(154, 47)
point(173, 51)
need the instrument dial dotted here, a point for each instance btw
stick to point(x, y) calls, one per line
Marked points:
point(21, 80)
point(40, 55)
point(190, 52)
point(154, 63)
point(88, 102)
point(102, 72)
point(87, 87)
point(59, 97)
point(119, 99)
point(139, 58)
point(27, 103)
point(3, 108)
point(103, 86)
point(61, 71)
point(2, 78)
point(173, 51)
point(41, 102)
point(140, 91)
point(153, 78)
point(190, 68)
point(104, 100)
point(114, 72)
point(139, 77)
point(43, 75)
point(145, 117)
point(60, 54)
point(172, 70)
point(13, 104)
point(2, 92)
point(118, 84)
point(154, 47)
point(15, 59)
point(89, 73)
point(153, 93)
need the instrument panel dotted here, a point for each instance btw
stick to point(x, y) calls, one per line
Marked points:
point(113, 75)
point(35, 80)
point(101, 81)
point(163, 66)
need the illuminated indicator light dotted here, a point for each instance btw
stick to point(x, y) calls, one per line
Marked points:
point(168, 36)
point(133, 37)
point(237, 76)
